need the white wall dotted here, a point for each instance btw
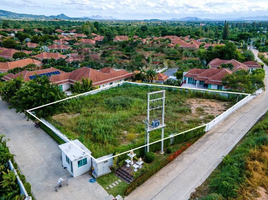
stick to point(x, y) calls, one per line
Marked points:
point(77, 171)
point(65, 87)
point(64, 163)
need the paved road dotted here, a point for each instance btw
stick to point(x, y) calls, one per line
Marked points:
point(180, 178)
point(39, 159)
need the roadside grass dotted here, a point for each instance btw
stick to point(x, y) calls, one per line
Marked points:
point(243, 171)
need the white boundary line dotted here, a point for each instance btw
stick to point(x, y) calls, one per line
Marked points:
point(108, 87)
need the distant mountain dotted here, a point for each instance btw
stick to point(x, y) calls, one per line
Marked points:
point(187, 19)
point(12, 15)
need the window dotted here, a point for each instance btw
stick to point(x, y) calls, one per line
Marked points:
point(82, 162)
point(219, 87)
point(67, 160)
point(201, 82)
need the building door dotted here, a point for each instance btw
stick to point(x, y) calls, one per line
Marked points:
point(72, 167)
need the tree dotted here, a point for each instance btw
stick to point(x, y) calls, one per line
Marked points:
point(85, 86)
point(217, 33)
point(226, 33)
point(8, 89)
point(5, 24)
point(179, 74)
point(151, 75)
point(245, 81)
point(249, 56)
point(9, 43)
point(37, 92)
point(20, 55)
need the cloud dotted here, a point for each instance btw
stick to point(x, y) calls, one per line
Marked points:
point(148, 8)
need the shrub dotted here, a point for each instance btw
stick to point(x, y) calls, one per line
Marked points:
point(213, 196)
point(168, 150)
point(149, 157)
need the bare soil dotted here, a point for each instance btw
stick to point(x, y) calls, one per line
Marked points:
point(263, 194)
point(209, 106)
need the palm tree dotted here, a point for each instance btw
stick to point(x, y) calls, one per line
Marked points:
point(151, 75)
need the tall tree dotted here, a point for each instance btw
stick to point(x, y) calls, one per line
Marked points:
point(151, 75)
point(84, 86)
point(226, 33)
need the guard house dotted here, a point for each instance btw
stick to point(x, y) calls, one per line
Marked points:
point(77, 162)
point(102, 165)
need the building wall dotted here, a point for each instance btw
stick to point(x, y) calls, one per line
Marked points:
point(77, 171)
point(65, 164)
point(65, 86)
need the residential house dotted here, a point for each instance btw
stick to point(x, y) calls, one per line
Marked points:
point(8, 53)
point(47, 55)
point(212, 78)
point(88, 41)
point(101, 78)
point(31, 45)
point(60, 47)
point(121, 38)
point(252, 65)
point(5, 66)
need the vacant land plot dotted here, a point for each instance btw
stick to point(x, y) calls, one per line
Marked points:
point(112, 118)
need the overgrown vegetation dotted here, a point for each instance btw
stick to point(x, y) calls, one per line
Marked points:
point(243, 171)
point(112, 120)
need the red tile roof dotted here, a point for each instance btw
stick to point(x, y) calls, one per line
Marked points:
point(194, 72)
point(87, 41)
point(98, 77)
point(46, 55)
point(59, 46)
point(252, 64)
point(8, 53)
point(26, 74)
point(5, 66)
point(162, 77)
point(31, 45)
point(217, 78)
point(205, 75)
point(120, 38)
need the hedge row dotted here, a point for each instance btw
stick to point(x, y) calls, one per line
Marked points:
point(51, 133)
point(156, 167)
point(157, 146)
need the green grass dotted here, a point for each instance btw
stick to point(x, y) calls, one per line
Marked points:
point(112, 120)
point(110, 178)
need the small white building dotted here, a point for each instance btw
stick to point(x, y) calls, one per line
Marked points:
point(75, 157)
point(102, 165)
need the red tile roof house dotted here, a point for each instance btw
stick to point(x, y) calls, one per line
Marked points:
point(212, 78)
point(101, 78)
point(8, 53)
point(46, 55)
point(60, 47)
point(252, 65)
point(5, 66)
point(161, 78)
point(120, 38)
point(31, 45)
point(88, 41)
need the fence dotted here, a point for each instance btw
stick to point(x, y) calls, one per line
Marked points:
point(22, 188)
point(238, 105)
point(208, 126)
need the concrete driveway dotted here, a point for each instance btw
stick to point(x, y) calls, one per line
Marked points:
point(39, 159)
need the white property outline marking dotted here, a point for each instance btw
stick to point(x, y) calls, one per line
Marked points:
point(157, 85)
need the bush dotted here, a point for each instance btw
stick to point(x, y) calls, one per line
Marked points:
point(149, 157)
point(213, 196)
point(168, 150)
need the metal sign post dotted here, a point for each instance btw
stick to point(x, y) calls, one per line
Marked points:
point(151, 125)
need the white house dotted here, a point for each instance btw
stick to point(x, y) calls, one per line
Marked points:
point(76, 158)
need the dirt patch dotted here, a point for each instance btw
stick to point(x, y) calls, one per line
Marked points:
point(64, 115)
point(207, 106)
point(263, 194)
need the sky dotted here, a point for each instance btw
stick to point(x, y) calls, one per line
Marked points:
point(140, 9)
